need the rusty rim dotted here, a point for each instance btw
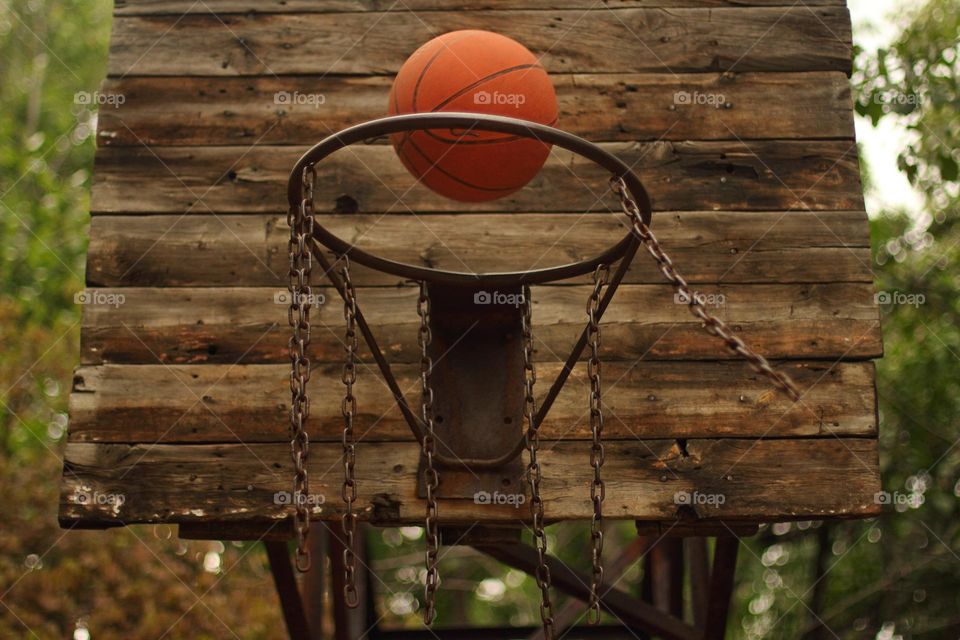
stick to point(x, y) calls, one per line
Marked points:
point(469, 121)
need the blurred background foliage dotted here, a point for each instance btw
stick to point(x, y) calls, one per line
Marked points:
point(897, 576)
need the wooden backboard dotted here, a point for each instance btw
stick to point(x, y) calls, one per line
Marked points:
point(736, 115)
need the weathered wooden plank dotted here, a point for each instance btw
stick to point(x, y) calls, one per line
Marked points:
point(248, 403)
point(760, 480)
point(764, 175)
point(203, 111)
point(249, 326)
point(167, 250)
point(606, 41)
point(179, 7)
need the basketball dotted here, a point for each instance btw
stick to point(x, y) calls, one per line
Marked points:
point(477, 72)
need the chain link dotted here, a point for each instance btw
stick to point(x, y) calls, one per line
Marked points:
point(349, 410)
point(424, 338)
point(301, 220)
point(597, 488)
point(534, 474)
point(711, 324)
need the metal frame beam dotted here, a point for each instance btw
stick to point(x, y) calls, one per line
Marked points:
point(659, 612)
point(632, 612)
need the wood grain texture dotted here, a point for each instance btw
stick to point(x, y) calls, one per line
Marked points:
point(708, 247)
point(759, 479)
point(248, 326)
point(722, 175)
point(180, 404)
point(223, 403)
point(679, 40)
point(179, 7)
point(205, 111)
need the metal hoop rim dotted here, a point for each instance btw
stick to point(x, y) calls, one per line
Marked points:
point(468, 121)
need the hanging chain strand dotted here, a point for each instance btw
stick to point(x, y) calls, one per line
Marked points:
point(424, 337)
point(711, 324)
point(534, 475)
point(597, 488)
point(349, 410)
point(300, 219)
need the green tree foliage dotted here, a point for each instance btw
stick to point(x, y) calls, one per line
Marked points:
point(916, 80)
point(137, 583)
point(45, 159)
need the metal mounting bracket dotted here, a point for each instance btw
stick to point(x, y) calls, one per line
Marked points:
point(478, 384)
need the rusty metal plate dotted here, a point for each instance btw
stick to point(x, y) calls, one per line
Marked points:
point(478, 389)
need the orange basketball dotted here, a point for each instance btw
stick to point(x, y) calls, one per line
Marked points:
point(479, 72)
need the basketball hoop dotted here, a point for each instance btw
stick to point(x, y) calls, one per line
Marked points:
point(472, 397)
point(464, 122)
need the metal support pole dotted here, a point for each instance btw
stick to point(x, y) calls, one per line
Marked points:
point(667, 580)
point(286, 583)
point(699, 576)
point(721, 587)
point(316, 588)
